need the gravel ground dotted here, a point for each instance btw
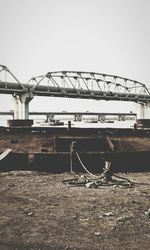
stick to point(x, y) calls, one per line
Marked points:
point(39, 212)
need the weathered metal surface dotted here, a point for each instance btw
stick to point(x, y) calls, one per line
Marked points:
point(5, 153)
point(143, 123)
point(20, 122)
point(83, 144)
point(75, 84)
point(48, 149)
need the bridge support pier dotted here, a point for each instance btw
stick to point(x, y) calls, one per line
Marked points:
point(16, 107)
point(21, 110)
point(101, 118)
point(121, 118)
point(144, 111)
point(78, 118)
point(49, 118)
point(147, 110)
point(141, 111)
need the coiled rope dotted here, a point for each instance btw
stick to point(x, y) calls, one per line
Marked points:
point(102, 176)
point(97, 176)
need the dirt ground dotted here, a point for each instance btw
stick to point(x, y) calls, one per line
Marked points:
point(40, 212)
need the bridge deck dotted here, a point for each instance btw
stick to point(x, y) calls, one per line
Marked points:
point(72, 113)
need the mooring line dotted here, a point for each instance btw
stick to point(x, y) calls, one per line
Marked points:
point(97, 176)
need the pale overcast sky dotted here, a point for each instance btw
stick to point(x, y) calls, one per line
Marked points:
point(107, 36)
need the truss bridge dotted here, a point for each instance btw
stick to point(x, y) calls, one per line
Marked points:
point(73, 84)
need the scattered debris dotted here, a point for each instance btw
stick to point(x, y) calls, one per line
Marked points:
point(84, 219)
point(124, 218)
point(90, 184)
point(100, 216)
point(11, 185)
point(75, 216)
point(57, 211)
point(30, 214)
point(148, 213)
point(97, 233)
point(104, 179)
point(97, 182)
point(66, 248)
point(109, 214)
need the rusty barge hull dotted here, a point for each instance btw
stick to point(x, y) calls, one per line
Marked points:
point(49, 149)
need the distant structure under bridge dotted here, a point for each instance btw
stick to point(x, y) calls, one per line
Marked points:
point(78, 116)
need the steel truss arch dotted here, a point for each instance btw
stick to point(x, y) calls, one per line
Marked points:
point(89, 85)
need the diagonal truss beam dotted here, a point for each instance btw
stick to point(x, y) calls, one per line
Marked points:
point(6, 74)
point(90, 85)
point(76, 84)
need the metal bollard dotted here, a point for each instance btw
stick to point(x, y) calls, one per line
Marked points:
point(69, 126)
point(72, 154)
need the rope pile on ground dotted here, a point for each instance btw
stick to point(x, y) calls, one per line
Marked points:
point(90, 180)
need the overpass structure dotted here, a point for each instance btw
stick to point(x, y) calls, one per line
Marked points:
point(78, 116)
point(73, 84)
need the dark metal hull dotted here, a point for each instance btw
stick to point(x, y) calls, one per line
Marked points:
point(48, 149)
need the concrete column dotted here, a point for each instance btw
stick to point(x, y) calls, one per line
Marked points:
point(147, 110)
point(21, 110)
point(141, 111)
point(25, 99)
point(50, 117)
point(75, 118)
point(79, 118)
point(101, 118)
point(16, 101)
point(24, 110)
point(121, 117)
